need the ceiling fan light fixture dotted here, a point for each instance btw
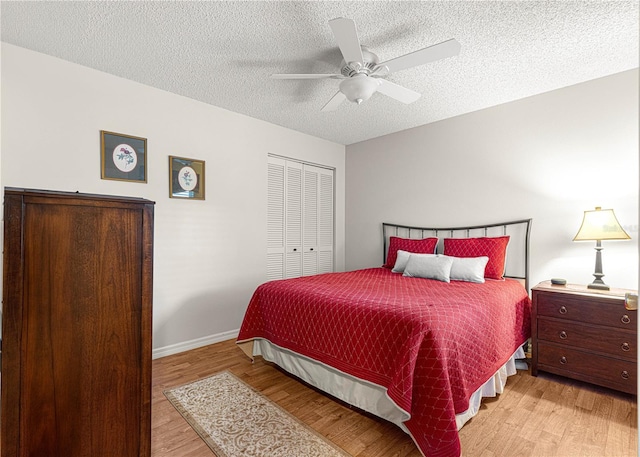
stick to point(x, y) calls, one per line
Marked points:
point(363, 75)
point(359, 88)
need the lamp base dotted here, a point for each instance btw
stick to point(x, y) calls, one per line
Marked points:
point(598, 283)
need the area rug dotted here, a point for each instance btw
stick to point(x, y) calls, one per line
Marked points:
point(237, 421)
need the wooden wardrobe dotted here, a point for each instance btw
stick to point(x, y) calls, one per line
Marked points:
point(76, 330)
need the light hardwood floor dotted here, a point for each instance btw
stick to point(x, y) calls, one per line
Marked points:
point(546, 416)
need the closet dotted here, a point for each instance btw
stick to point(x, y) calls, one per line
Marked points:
point(300, 219)
point(77, 295)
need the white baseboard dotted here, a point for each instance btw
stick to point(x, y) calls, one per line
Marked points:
point(193, 344)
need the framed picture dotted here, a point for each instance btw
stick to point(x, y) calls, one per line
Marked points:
point(186, 178)
point(123, 157)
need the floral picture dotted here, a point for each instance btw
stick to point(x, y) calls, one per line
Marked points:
point(186, 178)
point(123, 157)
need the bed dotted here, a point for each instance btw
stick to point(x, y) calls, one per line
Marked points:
point(418, 341)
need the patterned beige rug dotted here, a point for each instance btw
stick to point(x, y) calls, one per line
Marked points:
point(237, 421)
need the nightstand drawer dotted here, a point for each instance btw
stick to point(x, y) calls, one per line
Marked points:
point(614, 342)
point(588, 367)
point(593, 310)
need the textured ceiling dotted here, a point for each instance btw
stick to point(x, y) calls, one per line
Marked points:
point(222, 53)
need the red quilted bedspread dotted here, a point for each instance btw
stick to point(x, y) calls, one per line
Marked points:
point(430, 344)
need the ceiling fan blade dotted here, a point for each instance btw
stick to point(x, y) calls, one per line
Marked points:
point(335, 101)
point(306, 76)
point(438, 51)
point(344, 31)
point(402, 94)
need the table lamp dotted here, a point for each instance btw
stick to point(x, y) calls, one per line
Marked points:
point(597, 225)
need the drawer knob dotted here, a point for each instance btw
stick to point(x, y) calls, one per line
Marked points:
point(563, 335)
point(563, 360)
point(625, 319)
point(625, 347)
point(624, 374)
point(563, 310)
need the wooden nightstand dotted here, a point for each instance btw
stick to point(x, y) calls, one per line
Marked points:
point(584, 334)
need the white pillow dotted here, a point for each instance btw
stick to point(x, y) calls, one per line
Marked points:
point(470, 269)
point(403, 258)
point(401, 261)
point(429, 266)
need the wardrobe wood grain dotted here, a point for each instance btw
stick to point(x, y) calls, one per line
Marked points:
point(76, 362)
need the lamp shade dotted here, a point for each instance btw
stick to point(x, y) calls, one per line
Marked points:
point(600, 224)
point(359, 88)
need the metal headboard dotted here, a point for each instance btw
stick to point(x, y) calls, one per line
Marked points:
point(517, 264)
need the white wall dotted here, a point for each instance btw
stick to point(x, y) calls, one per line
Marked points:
point(547, 157)
point(209, 255)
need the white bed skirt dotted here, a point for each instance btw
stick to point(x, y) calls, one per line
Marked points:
point(365, 395)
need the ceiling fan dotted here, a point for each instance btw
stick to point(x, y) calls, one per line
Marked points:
point(363, 75)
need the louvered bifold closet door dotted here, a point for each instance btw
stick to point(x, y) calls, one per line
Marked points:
point(318, 220)
point(325, 220)
point(299, 219)
point(310, 221)
point(293, 219)
point(275, 219)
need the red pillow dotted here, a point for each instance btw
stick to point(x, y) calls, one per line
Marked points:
point(495, 248)
point(423, 246)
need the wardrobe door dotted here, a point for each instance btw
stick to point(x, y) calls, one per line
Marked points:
point(83, 320)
